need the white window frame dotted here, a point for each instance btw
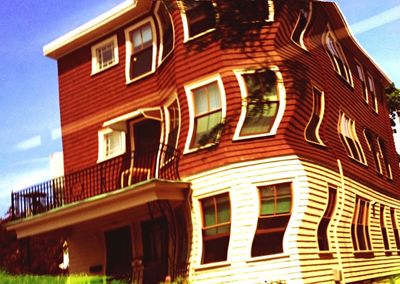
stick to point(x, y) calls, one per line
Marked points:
point(102, 151)
point(161, 48)
point(189, 94)
point(129, 49)
point(243, 92)
point(351, 127)
point(321, 117)
point(186, 36)
point(95, 60)
point(337, 50)
point(363, 79)
point(370, 85)
point(309, 15)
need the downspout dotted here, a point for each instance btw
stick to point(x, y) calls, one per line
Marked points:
point(339, 217)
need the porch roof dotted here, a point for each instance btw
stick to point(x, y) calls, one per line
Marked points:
point(100, 206)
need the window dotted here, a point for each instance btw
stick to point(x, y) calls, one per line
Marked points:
point(216, 214)
point(172, 129)
point(104, 54)
point(337, 56)
point(323, 241)
point(395, 228)
point(166, 31)
point(263, 103)
point(384, 155)
point(372, 144)
point(372, 93)
point(349, 137)
point(383, 228)
point(361, 76)
point(140, 50)
point(312, 129)
point(301, 26)
point(198, 17)
point(111, 143)
point(275, 209)
point(207, 111)
point(359, 226)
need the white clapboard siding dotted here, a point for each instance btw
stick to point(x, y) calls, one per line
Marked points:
point(301, 262)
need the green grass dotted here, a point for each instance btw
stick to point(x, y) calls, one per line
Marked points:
point(6, 278)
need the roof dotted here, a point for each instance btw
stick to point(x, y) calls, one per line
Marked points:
point(343, 31)
point(96, 28)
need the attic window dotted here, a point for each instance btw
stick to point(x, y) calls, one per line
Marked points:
point(104, 54)
point(337, 56)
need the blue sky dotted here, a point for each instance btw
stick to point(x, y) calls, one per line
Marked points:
point(29, 111)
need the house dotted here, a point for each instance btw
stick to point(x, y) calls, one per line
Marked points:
point(223, 142)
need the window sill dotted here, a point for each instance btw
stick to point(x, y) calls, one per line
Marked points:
point(189, 39)
point(240, 138)
point(325, 254)
point(343, 79)
point(192, 150)
point(267, 257)
point(95, 72)
point(364, 254)
point(320, 144)
point(214, 265)
point(103, 159)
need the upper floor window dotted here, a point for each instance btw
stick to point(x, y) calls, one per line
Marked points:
point(312, 129)
point(166, 31)
point(198, 18)
point(347, 129)
point(336, 54)
point(140, 50)
point(360, 226)
point(275, 210)
point(384, 155)
point(301, 26)
point(207, 112)
point(216, 213)
point(323, 241)
point(372, 92)
point(111, 143)
point(263, 103)
point(363, 80)
point(104, 54)
point(374, 148)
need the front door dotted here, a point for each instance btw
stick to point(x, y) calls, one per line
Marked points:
point(145, 141)
point(119, 253)
point(155, 250)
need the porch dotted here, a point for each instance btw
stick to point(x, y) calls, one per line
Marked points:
point(111, 175)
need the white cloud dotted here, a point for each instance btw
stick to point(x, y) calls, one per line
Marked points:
point(376, 21)
point(30, 143)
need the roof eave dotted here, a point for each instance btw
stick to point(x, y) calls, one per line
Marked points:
point(94, 29)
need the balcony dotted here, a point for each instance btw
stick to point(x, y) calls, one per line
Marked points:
point(121, 172)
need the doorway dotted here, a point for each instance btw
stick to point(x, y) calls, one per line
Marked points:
point(155, 250)
point(119, 253)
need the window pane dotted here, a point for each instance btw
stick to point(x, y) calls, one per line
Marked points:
point(147, 34)
point(223, 209)
point(205, 124)
point(200, 100)
point(137, 39)
point(214, 96)
point(284, 198)
point(208, 212)
point(267, 200)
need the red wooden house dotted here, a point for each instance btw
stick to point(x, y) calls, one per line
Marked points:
point(250, 150)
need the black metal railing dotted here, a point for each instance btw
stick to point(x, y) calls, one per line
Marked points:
point(110, 175)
